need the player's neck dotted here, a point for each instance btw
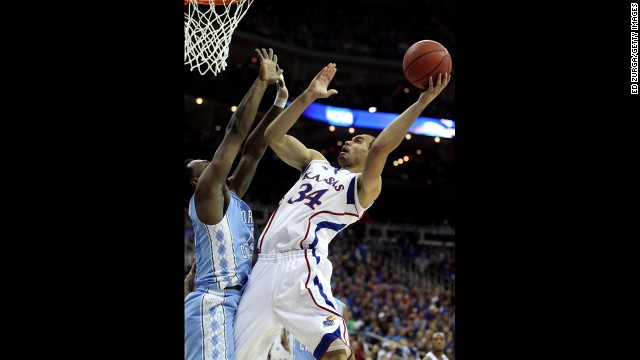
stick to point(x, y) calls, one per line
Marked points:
point(438, 354)
point(353, 169)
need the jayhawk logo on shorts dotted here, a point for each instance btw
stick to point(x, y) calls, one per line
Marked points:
point(330, 321)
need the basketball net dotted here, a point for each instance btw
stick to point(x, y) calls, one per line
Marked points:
point(208, 26)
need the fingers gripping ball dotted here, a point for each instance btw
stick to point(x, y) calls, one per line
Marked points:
point(423, 59)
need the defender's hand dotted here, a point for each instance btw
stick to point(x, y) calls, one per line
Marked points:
point(268, 66)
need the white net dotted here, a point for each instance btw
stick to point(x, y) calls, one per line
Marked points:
point(207, 33)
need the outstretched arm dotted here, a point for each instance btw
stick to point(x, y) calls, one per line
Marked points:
point(288, 148)
point(370, 181)
point(211, 190)
point(256, 145)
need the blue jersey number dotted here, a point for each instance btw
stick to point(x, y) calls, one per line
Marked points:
point(247, 250)
point(314, 197)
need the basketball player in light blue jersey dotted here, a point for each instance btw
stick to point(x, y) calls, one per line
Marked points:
point(290, 284)
point(223, 223)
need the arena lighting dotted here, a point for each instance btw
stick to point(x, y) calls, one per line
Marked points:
point(345, 117)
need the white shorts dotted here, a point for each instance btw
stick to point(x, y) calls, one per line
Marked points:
point(293, 290)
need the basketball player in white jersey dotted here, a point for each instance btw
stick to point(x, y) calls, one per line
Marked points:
point(290, 284)
point(437, 348)
point(223, 223)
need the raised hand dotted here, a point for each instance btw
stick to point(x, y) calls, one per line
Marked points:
point(269, 71)
point(429, 94)
point(319, 84)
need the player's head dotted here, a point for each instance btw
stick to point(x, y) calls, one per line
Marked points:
point(437, 341)
point(194, 169)
point(354, 152)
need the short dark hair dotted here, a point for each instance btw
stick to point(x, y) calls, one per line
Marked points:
point(374, 139)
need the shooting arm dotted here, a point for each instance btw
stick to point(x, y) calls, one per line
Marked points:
point(370, 181)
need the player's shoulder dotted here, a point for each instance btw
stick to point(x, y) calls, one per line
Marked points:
point(316, 155)
point(318, 165)
point(319, 162)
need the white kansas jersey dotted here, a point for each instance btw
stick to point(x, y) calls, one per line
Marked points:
point(320, 204)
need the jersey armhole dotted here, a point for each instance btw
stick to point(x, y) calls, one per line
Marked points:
point(361, 209)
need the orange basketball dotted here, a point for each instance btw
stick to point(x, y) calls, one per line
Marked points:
point(423, 59)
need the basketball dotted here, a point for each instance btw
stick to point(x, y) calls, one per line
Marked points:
point(423, 59)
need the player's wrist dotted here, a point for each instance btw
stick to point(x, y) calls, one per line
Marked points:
point(307, 96)
point(262, 82)
point(280, 102)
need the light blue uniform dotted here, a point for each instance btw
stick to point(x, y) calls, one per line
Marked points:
point(223, 260)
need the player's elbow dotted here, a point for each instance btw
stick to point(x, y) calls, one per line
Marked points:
point(379, 150)
point(270, 137)
point(237, 127)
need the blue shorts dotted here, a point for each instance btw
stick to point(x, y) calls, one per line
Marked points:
point(208, 324)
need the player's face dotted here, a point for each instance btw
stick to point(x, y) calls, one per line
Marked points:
point(437, 341)
point(354, 152)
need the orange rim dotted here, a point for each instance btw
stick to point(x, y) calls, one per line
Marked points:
point(217, 2)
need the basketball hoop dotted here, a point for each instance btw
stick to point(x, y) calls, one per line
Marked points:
point(208, 26)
